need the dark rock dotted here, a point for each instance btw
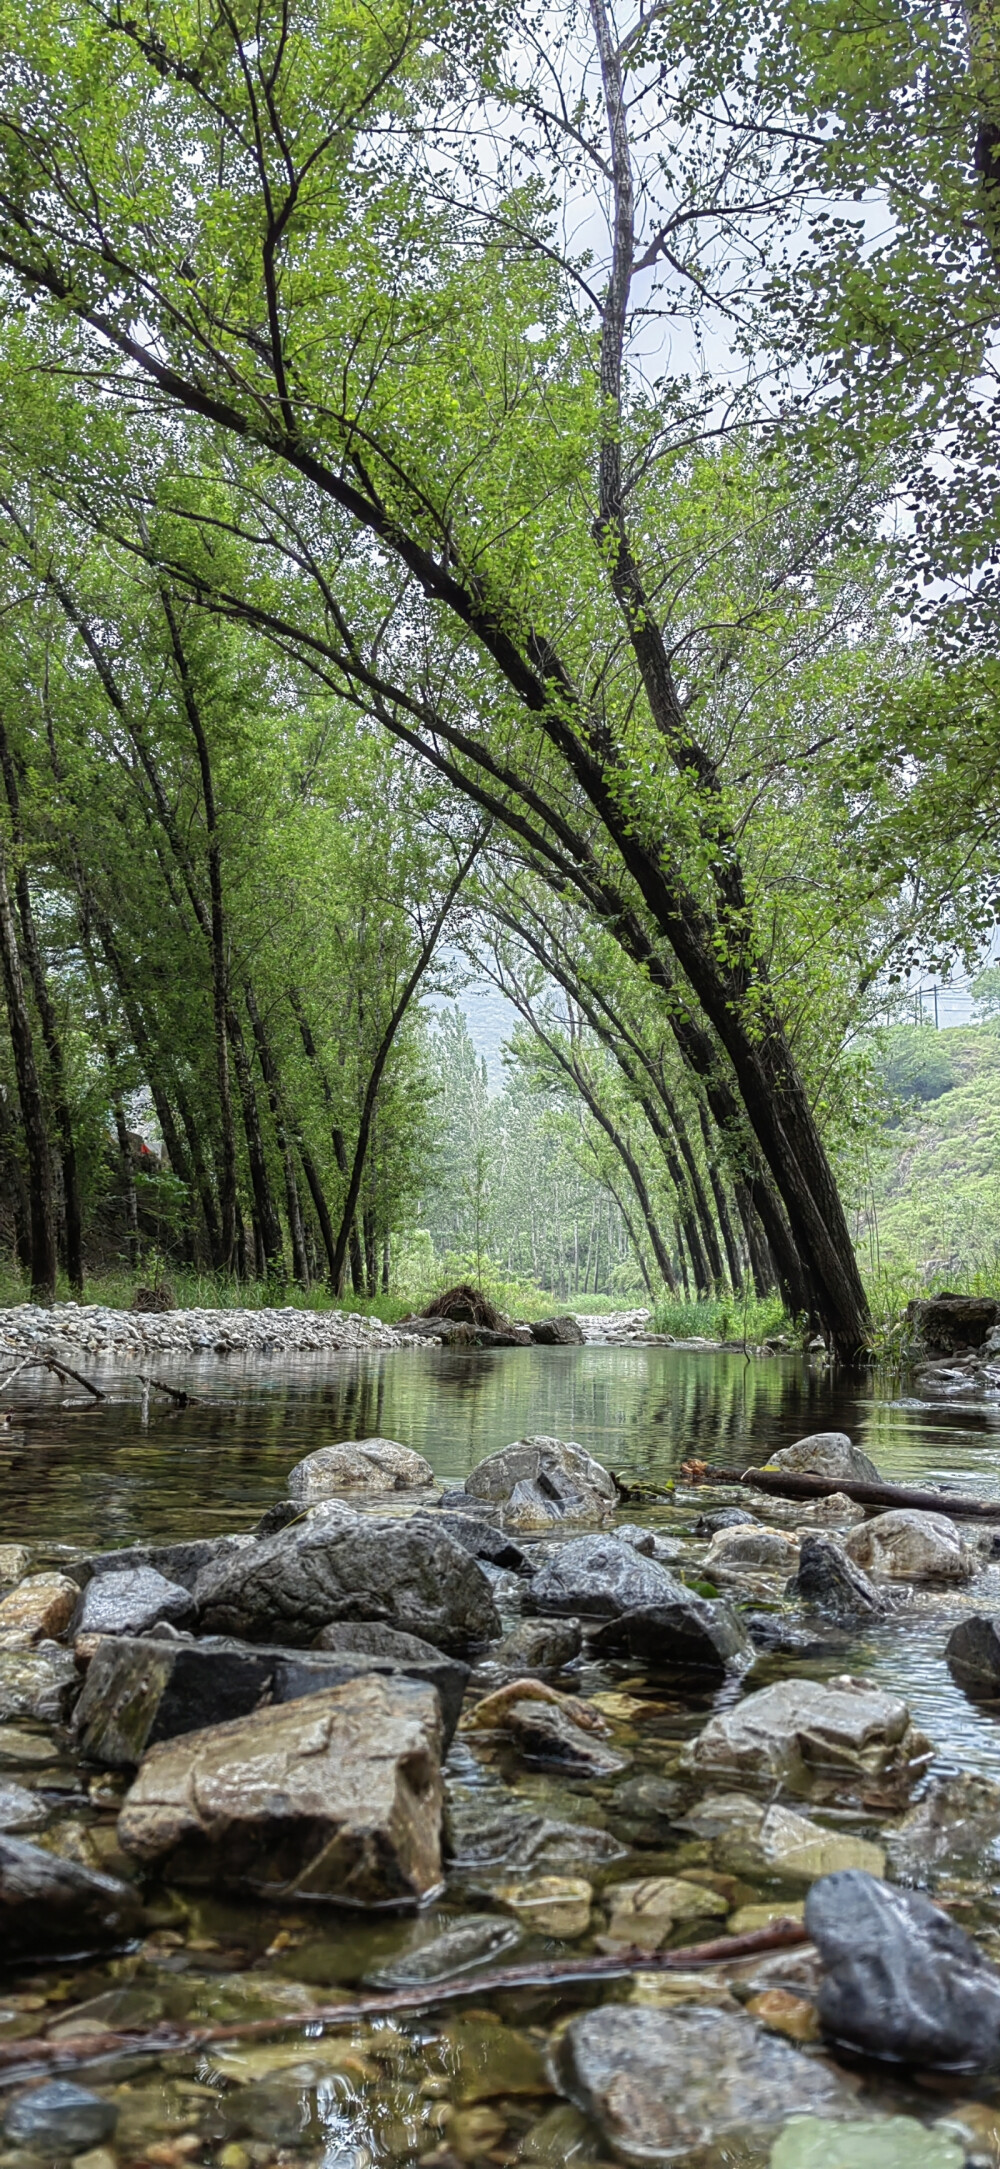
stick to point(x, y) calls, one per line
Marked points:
point(901, 1982)
point(484, 1540)
point(540, 1481)
point(544, 1733)
point(973, 1652)
point(279, 1516)
point(130, 1602)
point(953, 1322)
point(51, 1907)
point(724, 1517)
point(648, 1807)
point(477, 1940)
point(140, 1690)
point(829, 1582)
point(557, 1332)
point(40, 1683)
point(456, 1500)
point(60, 2118)
point(483, 1836)
point(539, 1645)
point(772, 1632)
point(406, 1574)
point(176, 1562)
point(686, 1634)
point(662, 2083)
point(600, 1577)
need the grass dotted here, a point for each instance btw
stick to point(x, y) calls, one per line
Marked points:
point(724, 1318)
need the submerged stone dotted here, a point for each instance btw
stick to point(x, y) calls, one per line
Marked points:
point(463, 1947)
point(901, 1983)
point(60, 2118)
point(644, 1914)
point(539, 1645)
point(365, 1464)
point(21, 1809)
point(801, 1729)
point(826, 1453)
point(600, 1577)
point(893, 2142)
point(791, 1846)
point(541, 1481)
point(957, 1816)
point(489, 1837)
point(51, 1907)
point(545, 1733)
point(551, 1905)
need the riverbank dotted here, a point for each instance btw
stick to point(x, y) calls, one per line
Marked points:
point(95, 1329)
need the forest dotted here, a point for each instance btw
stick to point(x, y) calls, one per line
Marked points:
point(502, 498)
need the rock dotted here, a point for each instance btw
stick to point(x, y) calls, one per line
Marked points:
point(826, 1453)
point(599, 1577)
point(478, 1939)
point(901, 1982)
point(646, 1808)
point(773, 1631)
point(514, 1838)
point(726, 2078)
point(59, 2118)
point(800, 1729)
point(485, 1541)
point(769, 1549)
point(55, 1908)
point(893, 2142)
point(830, 1582)
point(176, 1562)
point(130, 1602)
point(957, 1816)
point(365, 1464)
point(725, 1517)
point(644, 1914)
point(15, 1559)
point(20, 1747)
point(973, 1652)
point(539, 1645)
point(557, 1332)
point(21, 1809)
point(954, 1322)
point(39, 1683)
point(40, 1608)
point(552, 1905)
point(140, 1691)
point(406, 1574)
point(541, 1481)
point(836, 1511)
point(909, 1546)
point(666, 1550)
point(545, 1733)
point(688, 1634)
point(748, 1920)
point(335, 1797)
point(790, 1846)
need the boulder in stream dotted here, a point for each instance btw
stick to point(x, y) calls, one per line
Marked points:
point(911, 1546)
point(566, 1332)
point(600, 1577)
point(39, 1683)
point(800, 1731)
point(60, 2119)
point(685, 1634)
point(364, 1464)
point(826, 1453)
point(539, 1645)
point(338, 1796)
point(973, 1652)
point(37, 1610)
point(130, 1602)
point(181, 1562)
point(345, 1566)
point(661, 2083)
point(50, 1907)
point(769, 1550)
point(539, 1482)
point(830, 1582)
point(901, 1983)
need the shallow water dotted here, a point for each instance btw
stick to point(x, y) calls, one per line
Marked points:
point(413, 2093)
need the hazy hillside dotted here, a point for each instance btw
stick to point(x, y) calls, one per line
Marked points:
point(937, 1189)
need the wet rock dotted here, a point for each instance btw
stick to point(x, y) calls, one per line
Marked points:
point(482, 1836)
point(551, 1905)
point(60, 2118)
point(748, 1920)
point(130, 1602)
point(140, 1691)
point(726, 2078)
point(278, 1516)
point(774, 1632)
point(725, 1517)
point(836, 1511)
point(364, 1464)
point(406, 1574)
point(893, 2142)
point(957, 1816)
point(646, 1808)
point(900, 1981)
point(463, 1947)
point(688, 1634)
point(539, 1645)
point(39, 1683)
point(599, 1577)
point(801, 1729)
point(21, 1809)
point(485, 1541)
point(15, 1559)
point(544, 1733)
point(666, 1550)
point(40, 1608)
point(55, 1908)
point(830, 1582)
point(557, 1332)
point(791, 1846)
point(910, 1546)
point(643, 1915)
point(20, 1747)
point(176, 1562)
point(539, 1482)
point(973, 1652)
point(826, 1453)
point(769, 1549)
point(338, 1796)
point(954, 1322)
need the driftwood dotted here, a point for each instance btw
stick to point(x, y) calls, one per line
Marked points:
point(953, 1503)
point(19, 2058)
point(173, 1393)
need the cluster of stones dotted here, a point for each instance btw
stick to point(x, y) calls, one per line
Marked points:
point(93, 1329)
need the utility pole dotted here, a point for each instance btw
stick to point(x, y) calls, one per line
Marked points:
point(936, 1024)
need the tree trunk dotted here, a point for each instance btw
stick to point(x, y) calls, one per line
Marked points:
point(40, 1214)
point(20, 1208)
point(721, 1205)
point(340, 1155)
point(267, 1226)
point(269, 1072)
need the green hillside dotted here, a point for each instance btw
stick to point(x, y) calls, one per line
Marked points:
point(935, 1200)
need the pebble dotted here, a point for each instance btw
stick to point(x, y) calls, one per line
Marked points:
point(894, 2142)
point(93, 1329)
point(61, 2118)
point(553, 1905)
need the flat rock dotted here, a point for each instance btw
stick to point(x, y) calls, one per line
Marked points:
point(600, 1577)
point(973, 1652)
point(836, 1511)
point(910, 1546)
point(830, 1582)
point(544, 1733)
point(725, 1517)
point(508, 1837)
point(539, 1645)
point(688, 1634)
point(768, 1549)
point(801, 1729)
point(550, 1905)
point(176, 1562)
point(130, 1602)
point(364, 1464)
point(50, 1907)
point(338, 1796)
point(539, 1482)
point(890, 2142)
point(478, 1939)
point(40, 1683)
point(141, 1690)
point(406, 1574)
point(557, 1332)
point(956, 1817)
point(901, 1982)
point(40, 1608)
point(60, 2118)
point(644, 1914)
point(826, 1453)
point(726, 2078)
point(799, 1851)
point(21, 1809)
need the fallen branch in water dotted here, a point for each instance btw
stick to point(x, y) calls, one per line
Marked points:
point(785, 1486)
point(77, 2049)
point(173, 1393)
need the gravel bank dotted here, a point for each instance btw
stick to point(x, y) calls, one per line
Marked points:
point(91, 1329)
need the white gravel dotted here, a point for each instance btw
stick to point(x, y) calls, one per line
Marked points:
point(91, 1329)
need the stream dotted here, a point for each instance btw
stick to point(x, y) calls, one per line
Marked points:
point(457, 2084)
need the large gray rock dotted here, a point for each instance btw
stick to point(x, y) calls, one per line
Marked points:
point(60, 2119)
point(687, 1634)
point(800, 1730)
point(900, 1980)
point(364, 1464)
point(542, 1481)
point(599, 1577)
point(176, 1562)
point(558, 1332)
point(661, 2083)
point(826, 1453)
point(484, 1540)
point(406, 1574)
point(910, 1546)
point(758, 1549)
point(336, 1797)
point(130, 1602)
point(538, 1645)
point(41, 1683)
point(831, 1583)
point(973, 1652)
point(139, 1691)
point(51, 1907)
